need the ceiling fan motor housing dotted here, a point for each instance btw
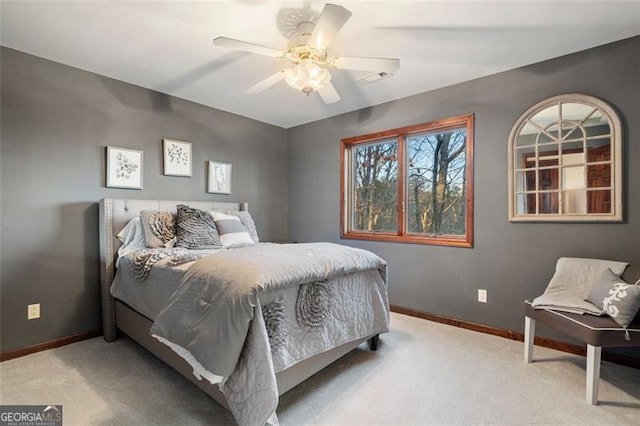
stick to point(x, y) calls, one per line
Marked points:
point(299, 53)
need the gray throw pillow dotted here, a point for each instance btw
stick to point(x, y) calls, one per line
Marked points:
point(617, 298)
point(195, 229)
point(247, 221)
point(159, 228)
point(231, 230)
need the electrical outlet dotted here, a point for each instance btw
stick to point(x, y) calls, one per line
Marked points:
point(33, 311)
point(482, 295)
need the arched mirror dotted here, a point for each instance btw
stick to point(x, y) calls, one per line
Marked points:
point(565, 162)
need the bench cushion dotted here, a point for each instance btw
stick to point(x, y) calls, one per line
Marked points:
point(591, 329)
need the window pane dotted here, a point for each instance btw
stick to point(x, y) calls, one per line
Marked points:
point(598, 149)
point(436, 184)
point(547, 156)
point(525, 158)
point(573, 177)
point(574, 201)
point(599, 176)
point(571, 130)
point(526, 181)
point(375, 197)
point(522, 204)
point(554, 131)
point(548, 203)
point(572, 153)
point(599, 201)
point(548, 179)
point(573, 111)
point(547, 116)
point(546, 137)
point(527, 135)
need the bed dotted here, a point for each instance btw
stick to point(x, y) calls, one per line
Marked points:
point(283, 345)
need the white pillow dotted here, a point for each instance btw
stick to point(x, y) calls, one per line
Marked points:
point(232, 231)
point(132, 237)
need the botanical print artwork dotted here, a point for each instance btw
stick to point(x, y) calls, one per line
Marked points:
point(124, 168)
point(177, 158)
point(177, 155)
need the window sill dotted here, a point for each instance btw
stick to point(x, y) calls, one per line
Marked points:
point(410, 239)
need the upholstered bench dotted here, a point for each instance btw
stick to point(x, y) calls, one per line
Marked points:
point(597, 332)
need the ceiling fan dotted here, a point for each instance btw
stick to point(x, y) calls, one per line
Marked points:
point(307, 51)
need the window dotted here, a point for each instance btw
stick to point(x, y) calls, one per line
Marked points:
point(412, 184)
point(565, 162)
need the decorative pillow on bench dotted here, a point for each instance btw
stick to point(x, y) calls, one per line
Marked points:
point(617, 298)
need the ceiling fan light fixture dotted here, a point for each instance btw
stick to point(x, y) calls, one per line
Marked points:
point(307, 76)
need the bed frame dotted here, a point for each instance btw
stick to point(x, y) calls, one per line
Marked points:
point(116, 315)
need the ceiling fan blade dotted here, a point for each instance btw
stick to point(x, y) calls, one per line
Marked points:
point(329, 94)
point(330, 21)
point(245, 46)
point(387, 65)
point(266, 83)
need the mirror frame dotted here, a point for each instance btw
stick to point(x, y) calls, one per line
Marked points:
point(607, 111)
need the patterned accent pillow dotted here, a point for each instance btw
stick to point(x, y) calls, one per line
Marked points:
point(195, 229)
point(617, 298)
point(232, 231)
point(159, 228)
point(247, 221)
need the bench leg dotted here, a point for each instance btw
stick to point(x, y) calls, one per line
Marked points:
point(529, 335)
point(593, 373)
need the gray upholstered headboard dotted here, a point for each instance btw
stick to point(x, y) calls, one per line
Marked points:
point(114, 215)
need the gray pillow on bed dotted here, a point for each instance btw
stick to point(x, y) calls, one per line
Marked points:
point(617, 298)
point(247, 221)
point(195, 229)
point(231, 230)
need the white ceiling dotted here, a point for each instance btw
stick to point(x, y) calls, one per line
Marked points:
point(167, 45)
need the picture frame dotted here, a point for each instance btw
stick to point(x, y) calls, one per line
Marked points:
point(124, 168)
point(177, 158)
point(219, 181)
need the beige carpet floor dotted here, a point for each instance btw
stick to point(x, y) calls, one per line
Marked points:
point(423, 373)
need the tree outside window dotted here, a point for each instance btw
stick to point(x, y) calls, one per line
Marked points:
point(410, 185)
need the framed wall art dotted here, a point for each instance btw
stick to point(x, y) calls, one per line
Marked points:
point(124, 168)
point(219, 178)
point(565, 162)
point(177, 158)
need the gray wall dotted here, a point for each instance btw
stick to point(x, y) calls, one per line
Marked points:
point(513, 261)
point(56, 123)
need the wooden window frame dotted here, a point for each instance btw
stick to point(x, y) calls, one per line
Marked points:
point(402, 235)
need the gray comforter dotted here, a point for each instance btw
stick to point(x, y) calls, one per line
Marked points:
point(215, 318)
